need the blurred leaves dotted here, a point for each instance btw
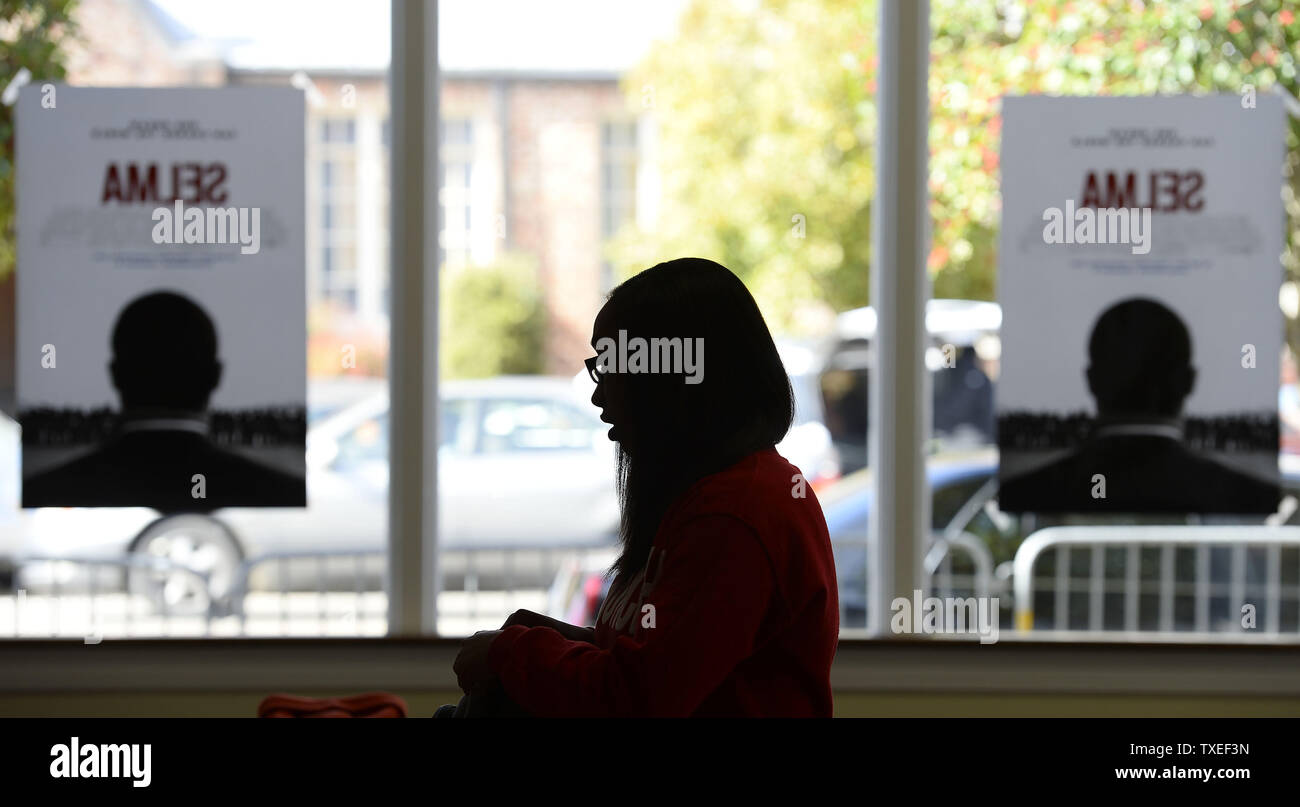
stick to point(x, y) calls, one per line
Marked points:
point(766, 111)
point(982, 51)
point(492, 318)
point(767, 120)
point(765, 114)
point(33, 34)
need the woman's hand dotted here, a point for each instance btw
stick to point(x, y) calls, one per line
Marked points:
point(531, 619)
point(471, 665)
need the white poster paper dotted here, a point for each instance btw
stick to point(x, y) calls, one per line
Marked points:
point(161, 300)
point(1139, 275)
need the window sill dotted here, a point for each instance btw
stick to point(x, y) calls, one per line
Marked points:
point(1012, 666)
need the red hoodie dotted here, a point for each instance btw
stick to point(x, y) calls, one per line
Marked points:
point(735, 614)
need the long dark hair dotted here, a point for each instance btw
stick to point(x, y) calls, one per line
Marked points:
point(743, 403)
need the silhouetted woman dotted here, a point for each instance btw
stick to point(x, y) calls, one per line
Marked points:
point(724, 601)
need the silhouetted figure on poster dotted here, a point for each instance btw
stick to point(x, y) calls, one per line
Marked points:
point(1140, 373)
point(165, 368)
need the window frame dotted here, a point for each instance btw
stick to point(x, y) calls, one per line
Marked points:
point(415, 256)
point(899, 398)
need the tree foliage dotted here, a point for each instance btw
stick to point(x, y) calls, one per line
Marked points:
point(33, 35)
point(493, 319)
point(765, 115)
point(766, 111)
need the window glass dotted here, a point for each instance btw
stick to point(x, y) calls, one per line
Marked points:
point(979, 54)
point(317, 570)
point(740, 131)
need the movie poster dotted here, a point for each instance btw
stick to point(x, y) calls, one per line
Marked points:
point(1139, 275)
point(161, 300)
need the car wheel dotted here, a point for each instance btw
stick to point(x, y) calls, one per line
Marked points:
point(196, 542)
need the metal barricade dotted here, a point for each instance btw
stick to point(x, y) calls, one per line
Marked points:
point(478, 587)
point(92, 626)
point(1183, 593)
point(943, 577)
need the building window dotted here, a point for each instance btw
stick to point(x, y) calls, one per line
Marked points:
point(385, 221)
point(457, 157)
point(336, 141)
point(618, 164)
point(338, 130)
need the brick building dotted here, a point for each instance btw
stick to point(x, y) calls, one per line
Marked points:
point(541, 153)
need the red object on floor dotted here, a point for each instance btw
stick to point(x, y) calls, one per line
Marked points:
point(370, 704)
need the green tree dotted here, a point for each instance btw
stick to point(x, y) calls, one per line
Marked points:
point(33, 35)
point(493, 319)
point(766, 124)
point(982, 51)
point(766, 111)
point(1257, 44)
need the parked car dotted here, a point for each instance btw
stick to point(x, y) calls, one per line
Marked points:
point(581, 585)
point(523, 463)
point(963, 415)
point(963, 490)
point(808, 445)
point(954, 479)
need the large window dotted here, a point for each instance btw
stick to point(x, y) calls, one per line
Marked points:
point(318, 570)
point(1115, 575)
point(750, 132)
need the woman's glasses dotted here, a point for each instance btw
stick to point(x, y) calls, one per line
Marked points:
point(594, 369)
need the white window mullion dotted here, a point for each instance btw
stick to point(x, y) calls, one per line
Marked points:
point(900, 404)
point(413, 363)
